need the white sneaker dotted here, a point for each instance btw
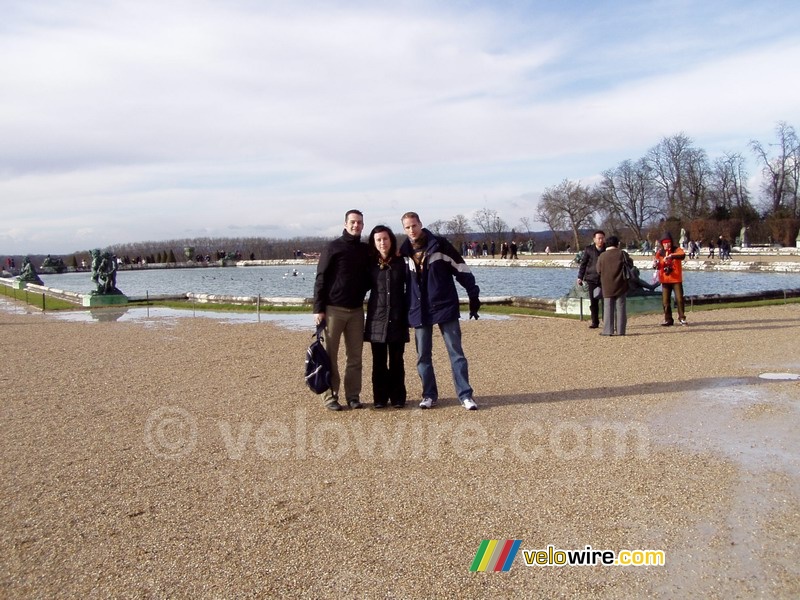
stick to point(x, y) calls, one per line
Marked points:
point(469, 404)
point(427, 403)
point(682, 321)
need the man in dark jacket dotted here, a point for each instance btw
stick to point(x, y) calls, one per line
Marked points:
point(588, 272)
point(339, 289)
point(433, 300)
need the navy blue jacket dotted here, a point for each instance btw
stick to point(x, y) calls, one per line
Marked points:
point(432, 295)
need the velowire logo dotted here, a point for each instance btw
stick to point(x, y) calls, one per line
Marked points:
point(495, 555)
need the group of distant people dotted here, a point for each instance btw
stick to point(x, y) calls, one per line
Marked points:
point(722, 249)
point(412, 286)
point(507, 250)
point(607, 271)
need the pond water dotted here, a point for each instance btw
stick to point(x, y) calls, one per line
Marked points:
point(279, 282)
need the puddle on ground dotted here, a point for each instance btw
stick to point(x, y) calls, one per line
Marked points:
point(156, 316)
point(753, 422)
point(780, 376)
point(750, 420)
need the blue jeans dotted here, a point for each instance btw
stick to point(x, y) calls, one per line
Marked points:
point(451, 332)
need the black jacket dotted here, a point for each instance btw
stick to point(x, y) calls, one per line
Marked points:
point(342, 274)
point(387, 310)
point(588, 269)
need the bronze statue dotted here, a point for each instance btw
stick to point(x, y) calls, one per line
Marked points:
point(57, 264)
point(104, 273)
point(638, 286)
point(28, 274)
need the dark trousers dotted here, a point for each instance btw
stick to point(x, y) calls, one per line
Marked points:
point(594, 302)
point(388, 373)
point(667, 289)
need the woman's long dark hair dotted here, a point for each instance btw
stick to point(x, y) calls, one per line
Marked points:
point(392, 241)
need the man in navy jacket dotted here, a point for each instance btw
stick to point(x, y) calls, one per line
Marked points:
point(433, 300)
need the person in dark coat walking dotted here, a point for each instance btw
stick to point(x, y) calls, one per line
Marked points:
point(386, 327)
point(588, 272)
point(614, 286)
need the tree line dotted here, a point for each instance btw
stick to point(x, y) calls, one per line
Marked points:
point(675, 185)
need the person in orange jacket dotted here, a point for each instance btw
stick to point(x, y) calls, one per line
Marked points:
point(669, 262)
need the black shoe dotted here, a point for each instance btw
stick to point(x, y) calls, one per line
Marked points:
point(354, 404)
point(594, 326)
point(667, 323)
point(378, 405)
point(334, 405)
point(398, 404)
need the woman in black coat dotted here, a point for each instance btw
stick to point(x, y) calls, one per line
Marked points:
point(386, 326)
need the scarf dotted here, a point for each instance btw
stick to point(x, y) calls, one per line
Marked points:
point(419, 248)
point(384, 263)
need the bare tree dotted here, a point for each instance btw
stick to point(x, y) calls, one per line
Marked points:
point(568, 204)
point(438, 227)
point(780, 171)
point(490, 223)
point(628, 195)
point(456, 229)
point(458, 225)
point(728, 192)
point(668, 161)
point(548, 213)
point(695, 184)
point(526, 225)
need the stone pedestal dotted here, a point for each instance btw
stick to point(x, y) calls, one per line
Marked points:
point(98, 300)
point(634, 304)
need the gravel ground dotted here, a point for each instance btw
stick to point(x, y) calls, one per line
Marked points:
point(185, 459)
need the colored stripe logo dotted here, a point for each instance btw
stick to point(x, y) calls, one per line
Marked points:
point(495, 555)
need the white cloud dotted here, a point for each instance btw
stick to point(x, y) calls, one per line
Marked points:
point(125, 121)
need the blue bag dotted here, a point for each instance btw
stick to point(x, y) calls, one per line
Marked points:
point(318, 364)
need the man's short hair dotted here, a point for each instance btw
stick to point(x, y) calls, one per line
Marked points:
point(599, 231)
point(353, 211)
point(410, 215)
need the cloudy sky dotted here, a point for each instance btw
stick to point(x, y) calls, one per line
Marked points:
point(131, 120)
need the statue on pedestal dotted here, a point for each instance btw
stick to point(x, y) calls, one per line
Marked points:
point(743, 241)
point(28, 274)
point(57, 264)
point(104, 273)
